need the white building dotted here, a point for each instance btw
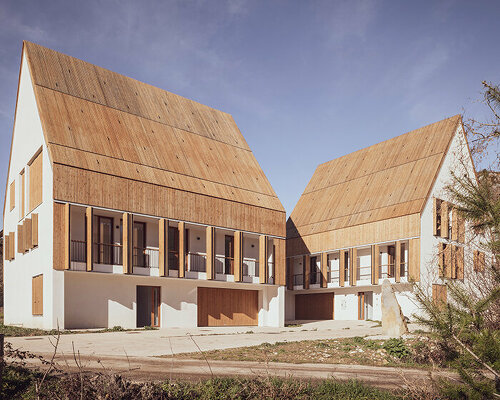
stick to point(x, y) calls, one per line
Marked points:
point(380, 212)
point(128, 205)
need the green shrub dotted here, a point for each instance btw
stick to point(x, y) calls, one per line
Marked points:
point(396, 348)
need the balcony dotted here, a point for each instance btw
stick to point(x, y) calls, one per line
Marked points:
point(250, 270)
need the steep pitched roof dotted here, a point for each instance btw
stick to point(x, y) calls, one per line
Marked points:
point(97, 120)
point(386, 180)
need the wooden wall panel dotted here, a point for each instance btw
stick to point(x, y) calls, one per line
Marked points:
point(316, 306)
point(37, 295)
point(35, 182)
point(354, 236)
point(324, 269)
point(375, 263)
point(280, 262)
point(263, 258)
point(210, 250)
point(238, 256)
point(20, 239)
point(227, 307)
point(100, 190)
point(34, 230)
point(353, 266)
point(307, 271)
point(12, 195)
point(397, 263)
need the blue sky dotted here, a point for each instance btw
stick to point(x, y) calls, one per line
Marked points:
point(306, 81)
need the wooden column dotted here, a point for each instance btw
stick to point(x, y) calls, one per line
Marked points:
point(67, 236)
point(263, 259)
point(238, 256)
point(353, 266)
point(397, 262)
point(375, 264)
point(324, 269)
point(342, 267)
point(89, 216)
point(182, 248)
point(128, 243)
point(210, 250)
point(307, 271)
point(163, 246)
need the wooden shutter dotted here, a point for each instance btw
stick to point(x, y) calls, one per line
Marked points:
point(210, 250)
point(397, 263)
point(441, 260)
point(353, 257)
point(20, 239)
point(35, 182)
point(436, 217)
point(28, 233)
point(22, 196)
point(163, 246)
point(454, 224)
point(128, 243)
point(6, 247)
point(479, 261)
point(279, 262)
point(12, 243)
point(12, 195)
point(444, 220)
point(307, 271)
point(37, 295)
point(447, 261)
point(61, 236)
point(324, 269)
point(342, 267)
point(459, 257)
point(375, 263)
point(238, 256)
point(461, 228)
point(89, 240)
point(34, 230)
point(439, 294)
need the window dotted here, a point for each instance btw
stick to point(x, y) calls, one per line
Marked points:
point(173, 248)
point(37, 295)
point(404, 261)
point(346, 267)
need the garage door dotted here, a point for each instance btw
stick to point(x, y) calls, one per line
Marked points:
point(314, 306)
point(227, 307)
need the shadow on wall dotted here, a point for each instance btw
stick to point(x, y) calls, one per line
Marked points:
point(88, 300)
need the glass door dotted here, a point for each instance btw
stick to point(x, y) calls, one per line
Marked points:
point(105, 240)
point(140, 244)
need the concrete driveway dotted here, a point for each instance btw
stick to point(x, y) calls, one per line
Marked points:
point(174, 341)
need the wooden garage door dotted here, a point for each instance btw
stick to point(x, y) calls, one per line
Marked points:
point(314, 306)
point(227, 307)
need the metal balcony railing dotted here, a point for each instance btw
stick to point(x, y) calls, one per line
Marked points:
point(315, 278)
point(298, 280)
point(78, 251)
point(364, 273)
point(146, 257)
point(224, 265)
point(197, 262)
point(250, 267)
point(386, 271)
point(108, 253)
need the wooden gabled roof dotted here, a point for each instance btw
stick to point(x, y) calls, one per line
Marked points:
point(386, 180)
point(100, 121)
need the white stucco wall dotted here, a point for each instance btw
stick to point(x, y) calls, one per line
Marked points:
point(27, 140)
point(96, 300)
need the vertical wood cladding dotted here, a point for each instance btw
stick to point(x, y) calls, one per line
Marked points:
point(227, 307)
point(316, 306)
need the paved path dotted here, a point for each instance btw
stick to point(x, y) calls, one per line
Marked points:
point(174, 341)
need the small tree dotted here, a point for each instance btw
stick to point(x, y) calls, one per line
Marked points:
point(467, 325)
